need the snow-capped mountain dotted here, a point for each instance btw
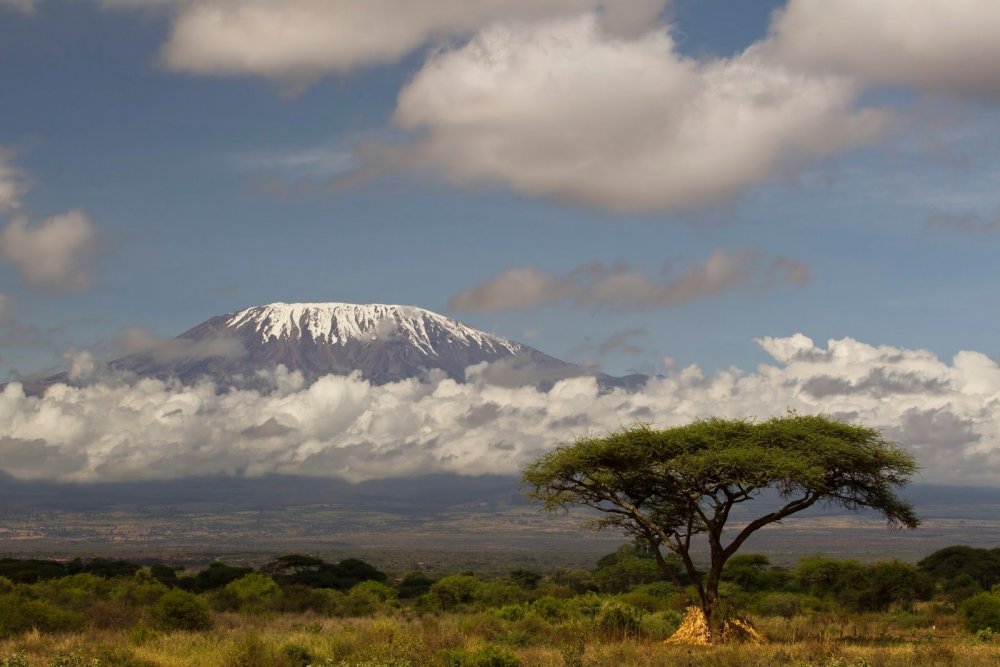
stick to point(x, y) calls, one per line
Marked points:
point(384, 343)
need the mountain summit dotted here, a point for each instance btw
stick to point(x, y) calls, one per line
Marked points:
point(383, 343)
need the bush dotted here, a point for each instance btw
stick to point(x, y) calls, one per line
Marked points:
point(414, 585)
point(550, 608)
point(785, 605)
point(359, 602)
point(490, 655)
point(456, 589)
point(619, 620)
point(216, 575)
point(662, 624)
point(180, 610)
point(376, 588)
point(511, 612)
point(981, 611)
point(18, 615)
point(253, 592)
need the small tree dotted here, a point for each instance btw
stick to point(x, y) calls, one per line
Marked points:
point(675, 487)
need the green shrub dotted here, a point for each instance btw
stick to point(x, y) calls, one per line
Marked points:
point(454, 590)
point(550, 608)
point(6, 586)
point(253, 592)
point(140, 591)
point(785, 605)
point(619, 620)
point(511, 612)
point(297, 598)
point(490, 655)
point(498, 593)
point(180, 610)
point(981, 611)
point(588, 605)
point(381, 591)
point(414, 584)
point(19, 614)
point(662, 624)
point(358, 602)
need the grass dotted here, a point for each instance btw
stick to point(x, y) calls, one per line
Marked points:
point(400, 638)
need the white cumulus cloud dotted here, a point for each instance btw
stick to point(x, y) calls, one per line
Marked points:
point(53, 254)
point(941, 45)
point(946, 412)
point(566, 110)
point(299, 41)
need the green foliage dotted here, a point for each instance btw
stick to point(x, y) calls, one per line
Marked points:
point(894, 583)
point(753, 573)
point(961, 587)
point(102, 567)
point(981, 611)
point(253, 591)
point(30, 571)
point(527, 579)
point(576, 579)
point(413, 585)
point(296, 598)
point(18, 614)
point(619, 620)
point(841, 580)
point(784, 604)
point(380, 591)
point(980, 565)
point(341, 576)
point(490, 655)
point(454, 590)
point(216, 575)
point(165, 574)
point(180, 610)
point(550, 608)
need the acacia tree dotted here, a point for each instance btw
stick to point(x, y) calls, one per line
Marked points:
point(675, 488)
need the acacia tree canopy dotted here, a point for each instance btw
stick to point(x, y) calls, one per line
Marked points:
point(676, 487)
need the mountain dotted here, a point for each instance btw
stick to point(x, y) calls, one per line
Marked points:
point(384, 343)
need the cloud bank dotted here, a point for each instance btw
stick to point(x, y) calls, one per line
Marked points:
point(621, 287)
point(946, 413)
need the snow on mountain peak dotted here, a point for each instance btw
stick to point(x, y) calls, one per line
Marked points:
point(337, 323)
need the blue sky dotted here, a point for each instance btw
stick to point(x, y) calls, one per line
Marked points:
point(175, 169)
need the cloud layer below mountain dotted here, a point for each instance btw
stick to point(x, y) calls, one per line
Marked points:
point(947, 414)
